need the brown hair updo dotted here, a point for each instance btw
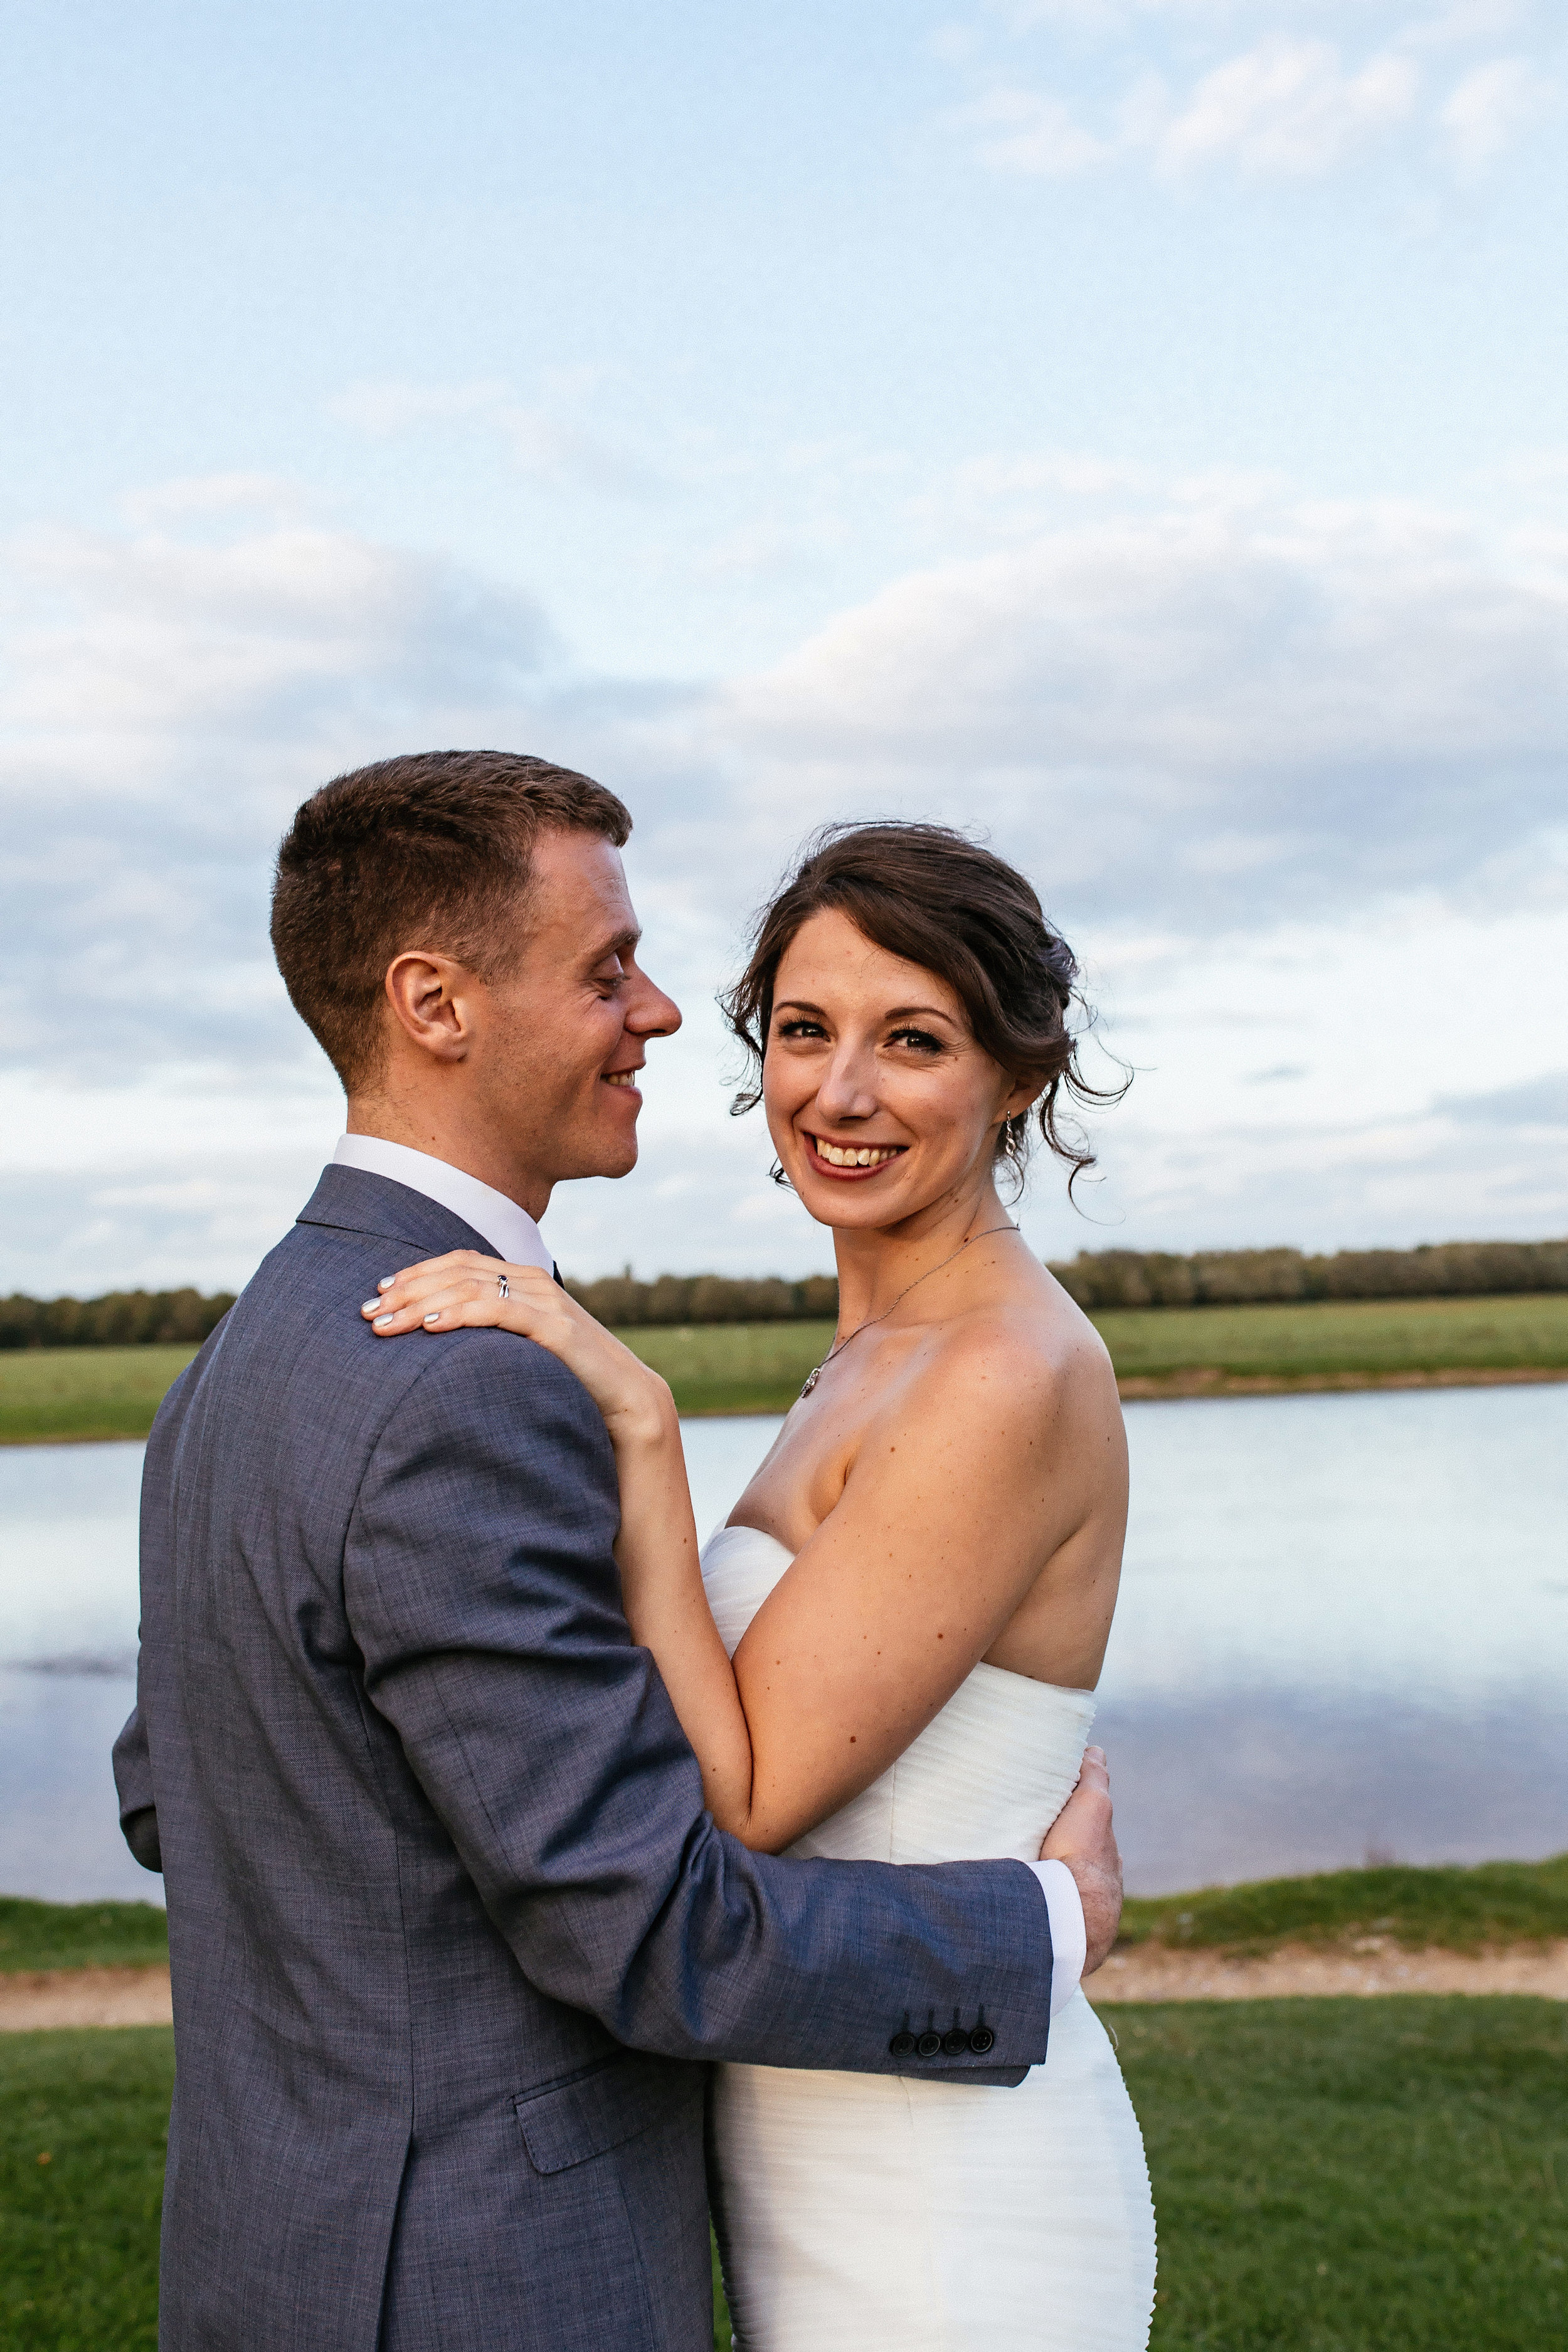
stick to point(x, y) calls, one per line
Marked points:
point(938, 899)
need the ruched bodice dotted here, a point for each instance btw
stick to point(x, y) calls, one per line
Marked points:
point(879, 2213)
point(988, 1776)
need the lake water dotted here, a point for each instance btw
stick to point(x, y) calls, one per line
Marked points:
point(1343, 1634)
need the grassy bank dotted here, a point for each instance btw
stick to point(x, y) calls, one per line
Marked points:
point(759, 1367)
point(1457, 1909)
point(60, 1395)
point(732, 1367)
point(1334, 1340)
point(1369, 2177)
point(57, 1394)
point(83, 2125)
point(80, 1935)
point(1332, 2176)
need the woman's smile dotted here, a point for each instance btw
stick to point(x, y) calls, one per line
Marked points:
point(852, 1159)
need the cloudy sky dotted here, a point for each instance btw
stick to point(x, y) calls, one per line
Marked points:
point(1136, 430)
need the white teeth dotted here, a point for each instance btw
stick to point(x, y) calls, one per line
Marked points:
point(866, 1155)
point(620, 1078)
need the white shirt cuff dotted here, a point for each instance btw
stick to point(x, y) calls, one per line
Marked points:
point(1069, 1942)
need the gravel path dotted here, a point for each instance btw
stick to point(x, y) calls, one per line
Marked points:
point(1375, 1964)
point(30, 1999)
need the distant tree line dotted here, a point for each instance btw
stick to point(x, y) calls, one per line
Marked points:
point(124, 1319)
point(619, 1298)
point(1096, 1278)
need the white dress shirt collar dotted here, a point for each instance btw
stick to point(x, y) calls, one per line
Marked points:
point(510, 1231)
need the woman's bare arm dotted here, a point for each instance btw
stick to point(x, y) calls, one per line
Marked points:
point(966, 1480)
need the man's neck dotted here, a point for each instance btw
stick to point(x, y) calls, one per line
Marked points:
point(462, 1144)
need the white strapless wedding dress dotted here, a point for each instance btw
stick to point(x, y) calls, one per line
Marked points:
point(877, 2213)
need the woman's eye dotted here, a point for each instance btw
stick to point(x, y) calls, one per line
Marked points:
point(920, 1039)
point(801, 1029)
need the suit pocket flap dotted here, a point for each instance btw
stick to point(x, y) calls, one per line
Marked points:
point(596, 2111)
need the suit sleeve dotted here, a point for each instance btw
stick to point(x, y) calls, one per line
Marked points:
point(133, 1755)
point(134, 1781)
point(483, 1590)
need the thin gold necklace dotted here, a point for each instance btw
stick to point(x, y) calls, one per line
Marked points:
point(832, 1353)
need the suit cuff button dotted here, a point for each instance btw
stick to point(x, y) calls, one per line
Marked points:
point(929, 2045)
point(982, 2041)
point(956, 2042)
point(902, 2045)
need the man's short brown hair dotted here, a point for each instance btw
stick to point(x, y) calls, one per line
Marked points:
point(428, 852)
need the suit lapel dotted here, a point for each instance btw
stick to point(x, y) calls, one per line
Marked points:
point(353, 1202)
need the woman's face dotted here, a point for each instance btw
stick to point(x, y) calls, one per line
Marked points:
point(878, 1100)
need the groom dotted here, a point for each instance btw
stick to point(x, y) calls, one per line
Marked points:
point(451, 1934)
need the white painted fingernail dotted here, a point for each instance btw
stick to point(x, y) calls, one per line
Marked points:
point(386, 1282)
point(435, 1317)
point(368, 1304)
point(381, 1321)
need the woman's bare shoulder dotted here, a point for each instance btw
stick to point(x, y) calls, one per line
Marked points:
point(1029, 1354)
point(1035, 1331)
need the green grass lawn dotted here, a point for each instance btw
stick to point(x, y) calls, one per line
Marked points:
point(58, 1394)
point(1331, 2176)
point(49, 1395)
point(1490, 1903)
point(1320, 1339)
point(1356, 2176)
point(759, 1367)
point(733, 1366)
point(80, 1935)
point(83, 2121)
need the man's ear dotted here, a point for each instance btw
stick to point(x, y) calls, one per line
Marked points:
point(432, 1000)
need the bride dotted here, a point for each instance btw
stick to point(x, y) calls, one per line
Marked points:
point(890, 1650)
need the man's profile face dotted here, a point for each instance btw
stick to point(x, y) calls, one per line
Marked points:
point(563, 1034)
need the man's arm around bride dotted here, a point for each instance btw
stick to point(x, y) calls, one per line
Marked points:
point(456, 1920)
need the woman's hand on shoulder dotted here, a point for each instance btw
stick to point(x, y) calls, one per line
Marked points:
point(466, 1289)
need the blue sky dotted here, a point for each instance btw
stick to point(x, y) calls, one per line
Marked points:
point(1136, 430)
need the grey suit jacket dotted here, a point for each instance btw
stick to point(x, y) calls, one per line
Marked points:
point(451, 1934)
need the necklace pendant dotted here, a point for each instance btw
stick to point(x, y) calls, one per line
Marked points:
point(811, 1381)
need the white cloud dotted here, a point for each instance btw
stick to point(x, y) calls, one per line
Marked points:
point(168, 700)
point(1537, 1102)
point(140, 633)
point(1489, 109)
point(550, 438)
point(1222, 706)
point(1462, 20)
point(1286, 109)
point(1292, 104)
point(1196, 715)
point(214, 495)
point(1021, 131)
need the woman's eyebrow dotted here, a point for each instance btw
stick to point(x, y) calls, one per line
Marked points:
point(899, 1011)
